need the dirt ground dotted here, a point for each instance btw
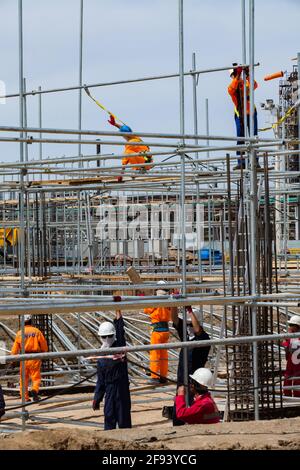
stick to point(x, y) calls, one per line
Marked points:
point(82, 429)
point(266, 435)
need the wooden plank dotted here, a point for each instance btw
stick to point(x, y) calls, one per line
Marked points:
point(134, 275)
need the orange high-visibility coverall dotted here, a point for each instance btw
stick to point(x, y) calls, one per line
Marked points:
point(160, 317)
point(129, 149)
point(236, 89)
point(34, 343)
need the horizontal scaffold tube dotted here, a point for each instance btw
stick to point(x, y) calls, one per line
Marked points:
point(122, 82)
point(150, 347)
point(66, 305)
point(100, 133)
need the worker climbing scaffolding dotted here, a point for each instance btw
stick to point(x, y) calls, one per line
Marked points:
point(131, 148)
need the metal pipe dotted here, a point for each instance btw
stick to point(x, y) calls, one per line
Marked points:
point(48, 130)
point(253, 209)
point(207, 126)
point(118, 156)
point(39, 307)
point(150, 347)
point(21, 198)
point(244, 55)
point(122, 82)
point(195, 112)
point(182, 193)
point(80, 76)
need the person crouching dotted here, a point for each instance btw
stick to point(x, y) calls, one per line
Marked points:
point(204, 409)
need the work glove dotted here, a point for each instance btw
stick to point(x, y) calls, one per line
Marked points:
point(176, 296)
point(111, 120)
point(96, 405)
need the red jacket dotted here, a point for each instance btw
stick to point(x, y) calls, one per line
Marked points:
point(292, 351)
point(203, 410)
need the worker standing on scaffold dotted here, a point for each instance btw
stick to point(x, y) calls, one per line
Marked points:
point(236, 91)
point(130, 159)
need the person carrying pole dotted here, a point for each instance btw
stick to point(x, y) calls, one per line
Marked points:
point(112, 377)
point(203, 409)
point(236, 91)
point(34, 343)
point(292, 352)
point(160, 317)
point(130, 150)
point(2, 403)
point(197, 357)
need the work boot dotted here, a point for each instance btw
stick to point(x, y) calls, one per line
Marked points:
point(154, 381)
point(35, 396)
point(163, 380)
point(27, 400)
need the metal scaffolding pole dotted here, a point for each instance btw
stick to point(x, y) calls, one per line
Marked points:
point(21, 199)
point(253, 210)
point(122, 82)
point(195, 110)
point(80, 77)
point(182, 193)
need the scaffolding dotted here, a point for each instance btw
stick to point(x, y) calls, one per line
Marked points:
point(212, 232)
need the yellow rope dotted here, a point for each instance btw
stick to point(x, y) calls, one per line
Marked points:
point(281, 120)
point(101, 105)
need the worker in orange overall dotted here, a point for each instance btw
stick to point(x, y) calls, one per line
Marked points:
point(129, 158)
point(34, 343)
point(236, 91)
point(160, 317)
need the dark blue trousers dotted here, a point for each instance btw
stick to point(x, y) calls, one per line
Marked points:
point(117, 407)
point(239, 122)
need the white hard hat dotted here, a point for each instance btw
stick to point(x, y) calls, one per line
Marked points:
point(203, 376)
point(294, 320)
point(196, 313)
point(106, 329)
point(161, 291)
point(27, 317)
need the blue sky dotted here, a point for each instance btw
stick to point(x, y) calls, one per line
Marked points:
point(137, 38)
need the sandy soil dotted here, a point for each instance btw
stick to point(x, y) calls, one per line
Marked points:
point(150, 430)
point(266, 435)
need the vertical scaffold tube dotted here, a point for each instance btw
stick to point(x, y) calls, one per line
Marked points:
point(253, 209)
point(182, 190)
point(21, 199)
